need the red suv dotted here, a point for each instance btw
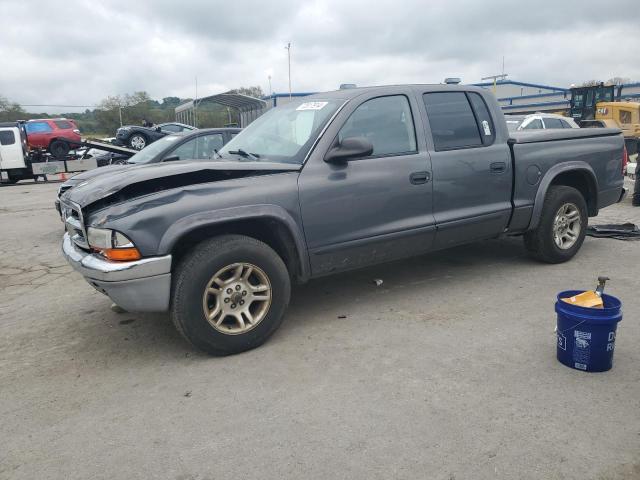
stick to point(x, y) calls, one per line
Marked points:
point(57, 135)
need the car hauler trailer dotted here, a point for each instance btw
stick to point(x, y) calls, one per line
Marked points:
point(18, 162)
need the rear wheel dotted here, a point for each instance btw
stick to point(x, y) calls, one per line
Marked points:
point(230, 294)
point(138, 141)
point(562, 226)
point(59, 148)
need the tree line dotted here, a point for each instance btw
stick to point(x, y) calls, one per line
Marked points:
point(131, 109)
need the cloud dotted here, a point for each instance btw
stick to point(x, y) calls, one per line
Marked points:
point(80, 51)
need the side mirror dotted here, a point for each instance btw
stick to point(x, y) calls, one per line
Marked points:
point(172, 158)
point(349, 149)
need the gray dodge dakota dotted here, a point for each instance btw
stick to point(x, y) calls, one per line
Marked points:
point(325, 184)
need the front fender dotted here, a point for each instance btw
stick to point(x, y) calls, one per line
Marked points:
point(547, 180)
point(210, 218)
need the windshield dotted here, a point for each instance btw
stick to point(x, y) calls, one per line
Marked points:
point(148, 154)
point(513, 123)
point(283, 134)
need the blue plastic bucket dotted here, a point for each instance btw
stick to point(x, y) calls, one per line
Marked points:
point(587, 336)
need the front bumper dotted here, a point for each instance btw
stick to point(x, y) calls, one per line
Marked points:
point(139, 286)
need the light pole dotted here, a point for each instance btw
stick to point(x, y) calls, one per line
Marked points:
point(270, 91)
point(288, 47)
point(495, 79)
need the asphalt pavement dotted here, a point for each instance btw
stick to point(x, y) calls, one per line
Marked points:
point(446, 370)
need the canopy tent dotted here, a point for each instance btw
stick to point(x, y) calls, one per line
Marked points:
point(249, 108)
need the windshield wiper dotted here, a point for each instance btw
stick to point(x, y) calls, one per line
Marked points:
point(244, 154)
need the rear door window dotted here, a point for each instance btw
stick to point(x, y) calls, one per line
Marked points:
point(552, 123)
point(386, 122)
point(453, 124)
point(38, 127)
point(483, 117)
point(172, 128)
point(535, 124)
point(63, 124)
point(7, 137)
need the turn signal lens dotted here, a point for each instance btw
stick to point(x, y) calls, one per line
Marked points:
point(121, 254)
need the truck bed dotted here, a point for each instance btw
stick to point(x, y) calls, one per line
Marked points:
point(539, 156)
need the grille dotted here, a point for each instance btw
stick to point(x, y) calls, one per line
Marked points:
point(74, 224)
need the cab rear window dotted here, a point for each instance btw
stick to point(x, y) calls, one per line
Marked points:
point(7, 137)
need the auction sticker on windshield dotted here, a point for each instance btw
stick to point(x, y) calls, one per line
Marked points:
point(312, 106)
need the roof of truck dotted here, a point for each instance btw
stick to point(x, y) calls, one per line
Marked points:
point(355, 92)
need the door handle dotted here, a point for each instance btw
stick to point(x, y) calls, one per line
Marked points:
point(417, 178)
point(498, 167)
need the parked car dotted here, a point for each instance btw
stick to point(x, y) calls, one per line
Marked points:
point(325, 184)
point(138, 137)
point(56, 135)
point(199, 144)
point(539, 121)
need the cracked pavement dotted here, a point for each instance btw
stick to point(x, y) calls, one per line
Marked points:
point(445, 371)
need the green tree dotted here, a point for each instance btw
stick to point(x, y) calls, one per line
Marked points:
point(255, 91)
point(11, 111)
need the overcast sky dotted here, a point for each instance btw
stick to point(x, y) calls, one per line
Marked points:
point(77, 52)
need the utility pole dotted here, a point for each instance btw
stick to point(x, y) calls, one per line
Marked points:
point(195, 106)
point(270, 91)
point(288, 47)
point(495, 79)
point(120, 112)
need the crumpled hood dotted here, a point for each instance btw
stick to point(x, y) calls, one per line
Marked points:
point(96, 172)
point(175, 174)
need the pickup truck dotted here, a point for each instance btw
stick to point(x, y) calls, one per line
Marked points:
point(325, 184)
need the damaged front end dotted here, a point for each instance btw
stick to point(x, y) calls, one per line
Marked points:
point(114, 224)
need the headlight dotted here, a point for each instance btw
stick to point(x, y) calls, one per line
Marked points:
point(111, 244)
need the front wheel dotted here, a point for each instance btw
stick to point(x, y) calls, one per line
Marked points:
point(230, 294)
point(562, 227)
point(137, 141)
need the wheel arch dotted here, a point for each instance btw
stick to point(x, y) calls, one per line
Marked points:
point(267, 223)
point(578, 175)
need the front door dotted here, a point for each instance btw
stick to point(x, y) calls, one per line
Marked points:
point(375, 208)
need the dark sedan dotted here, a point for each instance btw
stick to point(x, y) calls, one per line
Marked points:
point(138, 137)
point(199, 144)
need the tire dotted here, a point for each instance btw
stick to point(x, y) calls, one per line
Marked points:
point(541, 243)
point(138, 141)
point(195, 274)
point(59, 148)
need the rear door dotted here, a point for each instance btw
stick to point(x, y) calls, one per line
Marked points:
point(471, 170)
point(375, 208)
